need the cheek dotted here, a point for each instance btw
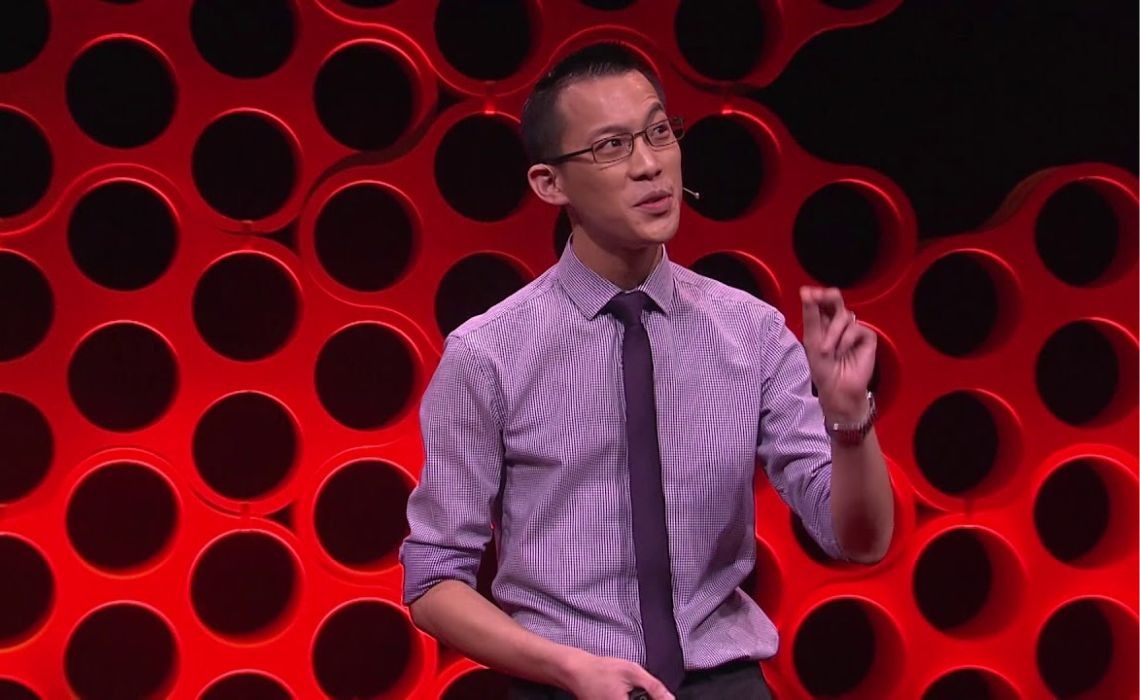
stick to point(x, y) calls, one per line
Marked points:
point(602, 196)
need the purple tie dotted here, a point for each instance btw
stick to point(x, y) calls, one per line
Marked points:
point(663, 656)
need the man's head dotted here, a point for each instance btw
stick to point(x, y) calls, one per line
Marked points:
point(622, 196)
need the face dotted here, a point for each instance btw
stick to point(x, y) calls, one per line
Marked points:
point(630, 204)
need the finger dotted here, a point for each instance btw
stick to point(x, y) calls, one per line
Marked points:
point(831, 304)
point(813, 330)
point(852, 337)
point(843, 321)
point(654, 687)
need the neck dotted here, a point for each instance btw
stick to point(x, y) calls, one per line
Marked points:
point(625, 267)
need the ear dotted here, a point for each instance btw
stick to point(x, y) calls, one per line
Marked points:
point(546, 182)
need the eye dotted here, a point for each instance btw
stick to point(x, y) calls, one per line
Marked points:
point(616, 144)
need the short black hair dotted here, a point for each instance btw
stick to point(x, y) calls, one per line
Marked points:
point(542, 124)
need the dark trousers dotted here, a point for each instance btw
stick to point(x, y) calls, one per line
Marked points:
point(738, 680)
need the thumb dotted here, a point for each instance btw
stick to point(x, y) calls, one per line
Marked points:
point(654, 687)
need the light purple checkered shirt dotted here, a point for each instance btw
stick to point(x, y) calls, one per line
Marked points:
point(528, 400)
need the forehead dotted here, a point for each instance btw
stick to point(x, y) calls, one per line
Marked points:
point(611, 100)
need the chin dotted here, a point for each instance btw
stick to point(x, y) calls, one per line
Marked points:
point(663, 230)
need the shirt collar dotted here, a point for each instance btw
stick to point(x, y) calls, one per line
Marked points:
point(590, 291)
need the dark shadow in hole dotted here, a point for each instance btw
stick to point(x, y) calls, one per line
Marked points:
point(27, 589)
point(1072, 510)
point(362, 650)
point(121, 93)
point(121, 516)
point(24, 27)
point(27, 323)
point(28, 446)
point(246, 306)
point(360, 513)
point(123, 377)
point(480, 168)
point(486, 41)
point(834, 648)
point(721, 39)
point(120, 651)
point(244, 167)
point(364, 237)
point(956, 443)
point(122, 235)
point(28, 164)
point(365, 375)
point(245, 445)
point(1075, 649)
point(952, 579)
point(837, 236)
point(955, 305)
point(246, 39)
point(1077, 373)
point(364, 97)
point(243, 583)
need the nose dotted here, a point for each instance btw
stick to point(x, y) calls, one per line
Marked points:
point(643, 162)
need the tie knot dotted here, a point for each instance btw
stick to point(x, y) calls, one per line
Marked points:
point(627, 306)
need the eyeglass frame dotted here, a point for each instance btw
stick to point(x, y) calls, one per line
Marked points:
point(676, 124)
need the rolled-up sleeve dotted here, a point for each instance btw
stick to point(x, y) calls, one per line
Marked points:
point(451, 509)
point(792, 444)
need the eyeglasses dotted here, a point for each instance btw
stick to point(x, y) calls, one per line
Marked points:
point(617, 147)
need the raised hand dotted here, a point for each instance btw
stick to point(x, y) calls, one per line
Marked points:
point(840, 353)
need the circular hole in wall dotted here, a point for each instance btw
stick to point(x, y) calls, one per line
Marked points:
point(121, 516)
point(245, 445)
point(246, 306)
point(27, 589)
point(363, 649)
point(721, 39)
point(122, 650)
point(365, 375)
point(480, 168)
point(243, 165)
point(121, 93)
point(360, 514)
point(364, 237)
point(23, 326)
point(28, 446)
point(245, 39)
point(242, 583)
point(364, 96)
point(485, 41)
point(122, 235)
point(123, 377)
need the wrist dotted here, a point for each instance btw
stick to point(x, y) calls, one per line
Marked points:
point(566, 664)
point(846, 409)
point(852, 432)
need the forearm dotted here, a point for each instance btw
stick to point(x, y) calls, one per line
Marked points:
point(862, 507)
point(463, 619)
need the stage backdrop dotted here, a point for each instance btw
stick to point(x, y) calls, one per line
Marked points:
point(234, 234)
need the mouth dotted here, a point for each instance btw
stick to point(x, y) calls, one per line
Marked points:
point(657, 201)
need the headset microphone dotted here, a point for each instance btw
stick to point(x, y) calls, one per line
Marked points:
point(695, 195)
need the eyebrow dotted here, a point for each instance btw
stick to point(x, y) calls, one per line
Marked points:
point(620, 128)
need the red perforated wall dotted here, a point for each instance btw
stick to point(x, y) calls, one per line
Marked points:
point(233, 236)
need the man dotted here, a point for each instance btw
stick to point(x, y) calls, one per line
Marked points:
point(604, 422)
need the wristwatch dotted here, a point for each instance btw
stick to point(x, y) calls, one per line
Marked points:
point(853, 433)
